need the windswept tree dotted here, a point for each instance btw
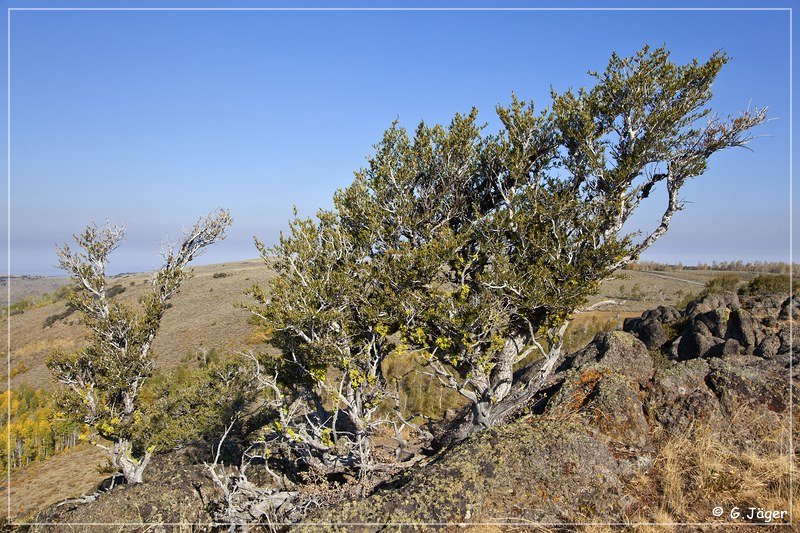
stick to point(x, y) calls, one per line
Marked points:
point(106, 377)
point(483, 247)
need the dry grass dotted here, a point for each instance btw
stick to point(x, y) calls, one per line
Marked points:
point(698, 470)
point(202, 316)
point(66, 475)
point(701, 470)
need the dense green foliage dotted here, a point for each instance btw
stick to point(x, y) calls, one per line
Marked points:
point(189, 404)
point(722, 283)
point(769, 284)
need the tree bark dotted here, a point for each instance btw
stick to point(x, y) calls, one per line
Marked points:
point(122, 458)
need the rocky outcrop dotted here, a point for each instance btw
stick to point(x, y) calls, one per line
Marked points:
point(719, 325)
point(581, 450)
point(545, 471)
point(649, 327)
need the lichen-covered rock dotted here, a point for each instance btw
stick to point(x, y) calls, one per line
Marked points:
point(679, 397)
point(549, 471)
point(607, 401)
point(725, 349)
point(789, 342)
point(769, 347)
point(790, 306)
point(715, 320)
point(616, 351)
point(712, 302)
point(748, 382)
point(764, 304)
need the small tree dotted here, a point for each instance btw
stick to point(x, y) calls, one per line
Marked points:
point(106, 377)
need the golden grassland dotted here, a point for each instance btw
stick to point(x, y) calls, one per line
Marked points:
point(66, 475)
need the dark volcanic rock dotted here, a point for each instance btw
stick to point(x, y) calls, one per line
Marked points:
point(748, 382)
point(716, 321)
point(724, 349)
point(679, 397)
point(616, 351)
point(606, 401)
point(712, 302)
point(743, 328)
point(696, 341)
point(768, 347)
point(791, 306)
point(649, 328)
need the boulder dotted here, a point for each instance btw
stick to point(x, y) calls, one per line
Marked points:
point(696, 341)
point(616, 351)
point(711, 302)
point(548, 471)
point(789, 342)
point(743, 328)
point(790, 306)
point(679, 397)
point(748, 382)
point(764, 304)
point(715, 320)
point(769, 347)
point(606, 401)
point(724, 349)
point(649, 327)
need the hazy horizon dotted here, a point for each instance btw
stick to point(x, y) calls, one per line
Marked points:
point(153, 119)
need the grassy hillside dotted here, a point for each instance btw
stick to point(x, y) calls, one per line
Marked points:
point(202, 316)
point(67, 475)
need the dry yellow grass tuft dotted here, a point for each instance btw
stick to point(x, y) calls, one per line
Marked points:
point(746, 467)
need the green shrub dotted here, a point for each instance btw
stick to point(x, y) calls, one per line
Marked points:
point(684, 300)
point(768, 284)
point(218, 275)
point(723, 283)
point(191, 404)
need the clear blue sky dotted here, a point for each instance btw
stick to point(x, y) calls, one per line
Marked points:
point(154, 118)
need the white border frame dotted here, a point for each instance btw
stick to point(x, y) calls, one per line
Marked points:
point(788, 10)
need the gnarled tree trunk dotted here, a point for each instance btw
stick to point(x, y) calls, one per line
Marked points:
point(122, 458)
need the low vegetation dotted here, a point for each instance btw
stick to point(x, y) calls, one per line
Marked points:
point(765, 267)
point(34, 302)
